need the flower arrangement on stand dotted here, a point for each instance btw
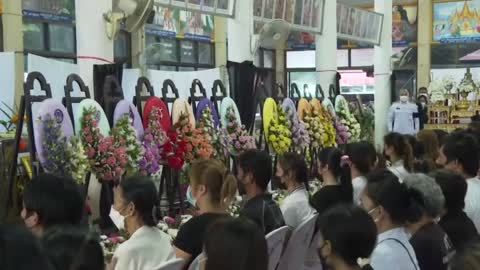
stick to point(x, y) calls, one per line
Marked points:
point(234, 135)
point(366, 119)
point(153, 141)
point(314, 128)
point(279, 134)
point(125, 135)
point(197, 140)
point(63, 157)
point(107, 158)
point(207, 125)
point(342, 134)
point(174, 150)
point(329, 137)
point(348, 120)
point(300, 138)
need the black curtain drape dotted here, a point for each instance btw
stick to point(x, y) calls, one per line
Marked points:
point(393, 82)
point(100, 73)
point(242, 78)
point(338, 77)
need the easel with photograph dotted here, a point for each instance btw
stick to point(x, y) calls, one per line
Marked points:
point(142, 84)
point(295, 93)
point(170, 178)
point(194, 99)
point(68, 102)
point(25, 110)
point(217, 98)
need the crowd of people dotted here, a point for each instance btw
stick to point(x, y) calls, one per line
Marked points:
point(414, 206)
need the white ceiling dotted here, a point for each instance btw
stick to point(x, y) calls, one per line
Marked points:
point(371, 2)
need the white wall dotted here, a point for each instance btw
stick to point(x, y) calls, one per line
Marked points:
point(7, 82)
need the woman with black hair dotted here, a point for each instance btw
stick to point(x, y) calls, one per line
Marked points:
point(134, 209)
point(400, 154)
point(337, 183)
point(348, 234)
point(235, 244)
point(392, 205)
point(73, 249)
point(362, 158)
point(293, 173)
point(21, 250)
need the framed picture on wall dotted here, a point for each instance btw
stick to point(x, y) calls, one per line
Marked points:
point(279, 9)
point(359, 25)
point(257, 8)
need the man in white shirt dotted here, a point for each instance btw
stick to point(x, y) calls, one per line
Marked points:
point(460, 154)
point(403, 116)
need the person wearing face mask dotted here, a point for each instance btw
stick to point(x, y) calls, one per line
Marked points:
point(347, 234)
point(254, 171)
point(134, 210)
point(403, 115)
point(337, 183)
point(422, 105)
point(293, 173)
point(213, 188)
point(391, 205)
point(49, 201)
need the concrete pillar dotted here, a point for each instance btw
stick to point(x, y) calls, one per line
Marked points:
point(240, 32)
point(425, 29)
point(220, 38)
point(326, 47)
point(383, 71)
point(13, 40)
point(93, 45)
point(280, 67)
point(138, 46)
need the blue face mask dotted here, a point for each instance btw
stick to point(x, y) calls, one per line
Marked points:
point(190, 198)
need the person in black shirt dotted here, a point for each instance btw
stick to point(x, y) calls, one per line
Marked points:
point(337, 183)
point(454, 221)
point(431, 244)
point(254, 171)
point(213, 188)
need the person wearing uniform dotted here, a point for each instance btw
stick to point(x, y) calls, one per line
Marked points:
point(403, 116)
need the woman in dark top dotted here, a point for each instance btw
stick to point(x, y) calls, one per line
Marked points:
point(213, 188)
point(454, 221)
point(337, 183)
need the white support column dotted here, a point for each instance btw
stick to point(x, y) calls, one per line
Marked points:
point(383, 71)
point(240, 32)
point(326, 47)
point(93, 45)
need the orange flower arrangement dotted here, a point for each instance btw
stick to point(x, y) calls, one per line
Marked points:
point(199, 144)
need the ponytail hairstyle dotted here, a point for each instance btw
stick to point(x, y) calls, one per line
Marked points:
point(219, 182)
point(294, 163)
point(362, 155)
point(401, 147)
point(402, 203)
point(339, 166)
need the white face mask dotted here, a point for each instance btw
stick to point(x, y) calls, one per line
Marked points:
point(404, 99)
point(117, 219)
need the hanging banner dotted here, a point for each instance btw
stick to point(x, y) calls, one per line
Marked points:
point(456, 22)
point(50, 10)
point(302, 15)
point(222, 8)
point(359, 24)
point(176, 23)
